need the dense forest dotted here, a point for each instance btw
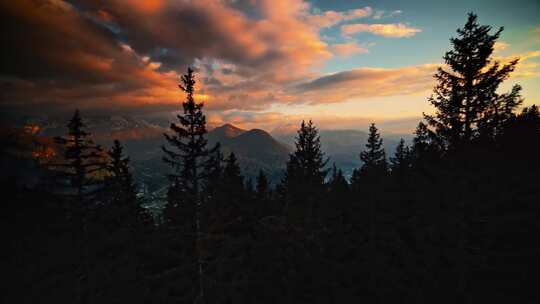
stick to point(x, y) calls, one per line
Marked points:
point(450, 218)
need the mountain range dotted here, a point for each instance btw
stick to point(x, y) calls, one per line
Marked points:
point(255, 149)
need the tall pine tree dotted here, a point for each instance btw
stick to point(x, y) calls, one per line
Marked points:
point(465, 96)
point(233, 186)
point(84, 161)
point(305, 174)
point(373, 158)
point(188, 158)
point(120, 182)
point(368, 181)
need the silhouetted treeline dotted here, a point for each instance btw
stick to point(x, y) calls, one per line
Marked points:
point(450, 218)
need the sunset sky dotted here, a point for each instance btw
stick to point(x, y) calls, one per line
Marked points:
point(259, 63)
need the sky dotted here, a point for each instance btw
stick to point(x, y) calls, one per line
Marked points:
point(259, 63)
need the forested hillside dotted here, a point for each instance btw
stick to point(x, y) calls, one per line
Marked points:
point(449, 217)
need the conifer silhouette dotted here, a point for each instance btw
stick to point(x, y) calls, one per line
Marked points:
point(305, 173)
point(120, 182)
point(466, 95)
point(374, 156)
point(83, 161)
point(233, 186)
point(401, 161)
point(188, 158)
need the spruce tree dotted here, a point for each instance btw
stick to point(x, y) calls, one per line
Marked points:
point(421, 140)
point(84, 161)
point(305, 173)
point(232, 174)
point(401, 160)
point(124, 224)
point(465, 96)
point(233, 186)
point(188, 158)
point(121, 190)
point(426, 146)
point(120, 182)
point(369, 182)
point(374, 157)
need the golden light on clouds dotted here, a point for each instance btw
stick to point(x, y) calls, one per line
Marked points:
point(250, 56)
point(391, 30)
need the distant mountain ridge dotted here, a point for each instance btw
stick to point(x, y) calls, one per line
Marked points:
point(225, 131)
point(256, 149)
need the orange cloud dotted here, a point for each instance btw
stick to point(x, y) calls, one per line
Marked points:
point(280, 123)
point(526, 67)
point(366, 83)
point(390, 30)
point(500, 46)
point(64, 57)
point(348, 49)
point(331, 18)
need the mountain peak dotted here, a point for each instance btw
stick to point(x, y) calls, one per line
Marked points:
point(259, 132)
point(228, 130)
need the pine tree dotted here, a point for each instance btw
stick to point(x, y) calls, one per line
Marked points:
point(233, 186)
point(374, 157)
point(373, 160)
point(121, 189)
point(368, 181)
point(188, 159)
point(84, 160)
point(83, 163)
point(125, 223)
point(120, 182)
point(401, 161)
point(466, 95)
point(305, 174)
point(190, 150)
point(421, 139)
point(231, 173)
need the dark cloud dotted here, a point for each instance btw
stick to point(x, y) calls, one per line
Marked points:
point(94, 53)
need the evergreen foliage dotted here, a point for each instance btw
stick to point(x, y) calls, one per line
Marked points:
point(465, 96)
point(401, 161)
point(83, 161)
point(305, 174)
point(188, 158)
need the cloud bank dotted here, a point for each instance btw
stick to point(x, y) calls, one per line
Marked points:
point(126, 55)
